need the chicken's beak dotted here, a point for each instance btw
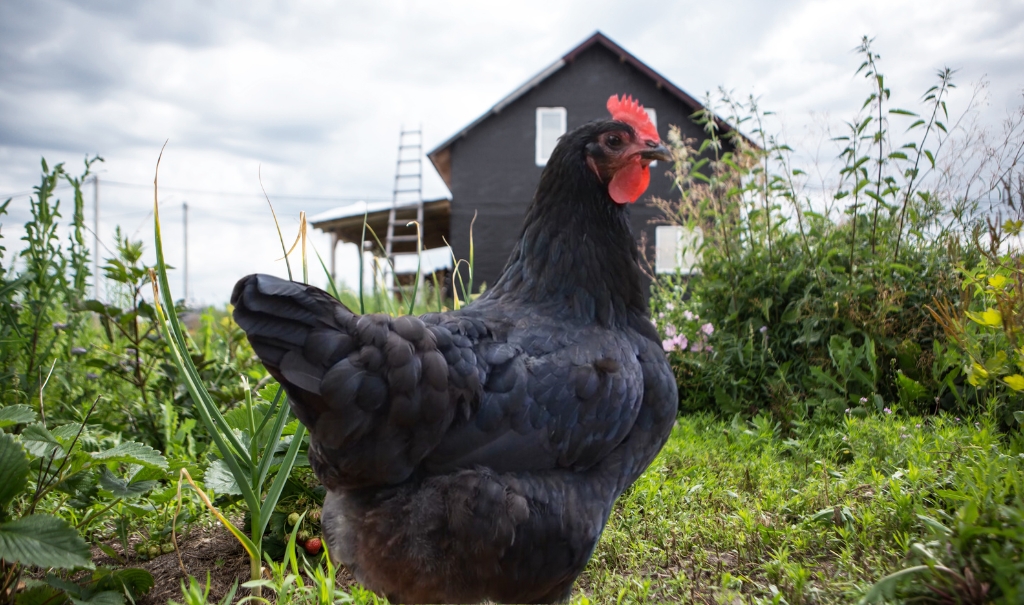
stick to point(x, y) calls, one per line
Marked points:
point(656, 151)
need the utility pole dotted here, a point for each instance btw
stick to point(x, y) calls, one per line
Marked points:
point(96, 234)
point(184, 224)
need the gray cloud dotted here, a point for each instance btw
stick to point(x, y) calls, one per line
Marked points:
point(313, 95)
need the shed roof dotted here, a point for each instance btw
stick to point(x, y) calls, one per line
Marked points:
point(440, 156)
point(347, 222)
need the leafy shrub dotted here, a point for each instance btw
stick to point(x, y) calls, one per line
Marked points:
point(819, 301)
point(987, 325)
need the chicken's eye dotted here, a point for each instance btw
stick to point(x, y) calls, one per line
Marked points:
point(614, 140)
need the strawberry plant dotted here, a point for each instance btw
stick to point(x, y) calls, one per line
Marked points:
point(38, 466)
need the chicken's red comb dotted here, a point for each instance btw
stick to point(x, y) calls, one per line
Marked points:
point(632, 112)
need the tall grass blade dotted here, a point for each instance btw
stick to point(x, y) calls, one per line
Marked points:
point(302, 235)
point(250, 547)
point(167, 317)
point(419, 266)
point(281, 419)
point(282, 476)
point(362, 246)
point(330, 278)
point(276, 224)
point(467, 295)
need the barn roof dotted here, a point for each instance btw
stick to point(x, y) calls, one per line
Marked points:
point(442, 160)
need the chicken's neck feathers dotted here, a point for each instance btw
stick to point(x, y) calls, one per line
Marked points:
point(576, 255)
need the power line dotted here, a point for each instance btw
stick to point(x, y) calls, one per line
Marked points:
point(326, 198)
point(31, 193)
point(323, 198)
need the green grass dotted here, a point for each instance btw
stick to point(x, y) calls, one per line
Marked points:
point(734, 511)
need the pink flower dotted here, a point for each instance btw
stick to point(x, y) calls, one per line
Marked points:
point(708, 329)
point(687, 315)
point(887, 411)
point(676, 343)
point(670, 330)
point(670, 306)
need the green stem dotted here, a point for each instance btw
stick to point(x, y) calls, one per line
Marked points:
point(90, 518)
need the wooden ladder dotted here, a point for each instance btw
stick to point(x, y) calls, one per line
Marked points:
point(406, 201)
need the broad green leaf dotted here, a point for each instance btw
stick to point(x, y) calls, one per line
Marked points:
point(43, 541)
point(38, 441)
point(989, 317)
point(151, 473)
point(13, 470)
point(105, 597)
point(41, 594)
point(132, 453)
point(976, 374)
point(238, 418)
point(996, 363)
point(910, 390)
point(218, 477)
point(132, 581)
point(124, 488)
point(885, 589)
point(997, 281)
point(1019, 417)
point(65, 585)
point(1015, 382)
point(268, 392)
point(66, 433)
point(935, 525)
point(16, 414)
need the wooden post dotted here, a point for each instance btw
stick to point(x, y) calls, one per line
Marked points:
point(334, 254)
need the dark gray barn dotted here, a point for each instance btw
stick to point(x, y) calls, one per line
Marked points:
point(493, 165)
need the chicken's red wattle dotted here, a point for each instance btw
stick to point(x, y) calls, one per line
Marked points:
point(629, 183)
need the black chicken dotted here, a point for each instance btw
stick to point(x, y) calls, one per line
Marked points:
point(476, 454)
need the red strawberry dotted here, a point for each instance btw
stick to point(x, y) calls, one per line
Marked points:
point(313, 545)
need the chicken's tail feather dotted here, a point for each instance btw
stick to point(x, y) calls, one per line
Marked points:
point(373, 390)
point(296, 330)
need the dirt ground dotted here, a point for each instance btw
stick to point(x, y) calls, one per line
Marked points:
point(212, 550)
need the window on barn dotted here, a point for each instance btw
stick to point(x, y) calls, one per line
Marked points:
point(550, 126)
point(653, 115)
point(677, 248)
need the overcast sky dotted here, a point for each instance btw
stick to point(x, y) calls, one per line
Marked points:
point(314, 93)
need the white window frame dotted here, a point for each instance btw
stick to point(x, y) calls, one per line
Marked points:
point(539, 152)
point(677, 248)
point(653, 115)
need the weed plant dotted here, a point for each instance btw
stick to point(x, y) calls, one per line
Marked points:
point(819, 301)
